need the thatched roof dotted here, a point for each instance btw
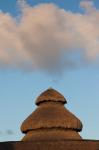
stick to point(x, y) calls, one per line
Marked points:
point(50, 95)
point(51, 134)
point(51, 114)
point(51, 145)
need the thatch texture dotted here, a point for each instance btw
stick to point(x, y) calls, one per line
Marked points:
point(51, 145)
point(51, 134)
point(51, 116)
point(50, 95)
point(51, 119)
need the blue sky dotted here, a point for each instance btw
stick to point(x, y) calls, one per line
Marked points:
point(19, 89)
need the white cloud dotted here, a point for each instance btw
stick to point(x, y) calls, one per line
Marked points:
point(48, 38)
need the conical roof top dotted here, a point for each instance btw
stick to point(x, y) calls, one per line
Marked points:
point(50, 95)
point(51, 114)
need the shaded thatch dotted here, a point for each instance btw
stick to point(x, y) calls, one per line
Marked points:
point(51, 134)
point(50, 95)
point(51, 145)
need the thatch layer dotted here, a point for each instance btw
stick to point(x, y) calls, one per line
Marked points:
point(51, 115)
point(51, 145)
point(50, 95)
point(51, 134)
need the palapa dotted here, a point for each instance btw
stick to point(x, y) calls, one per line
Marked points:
point(51, 119)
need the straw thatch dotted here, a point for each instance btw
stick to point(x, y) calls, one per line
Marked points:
point(50, 95)
point(51, 134)
point(51, 145)
point(49, 116)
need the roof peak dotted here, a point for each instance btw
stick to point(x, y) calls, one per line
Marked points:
point(50, 95)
